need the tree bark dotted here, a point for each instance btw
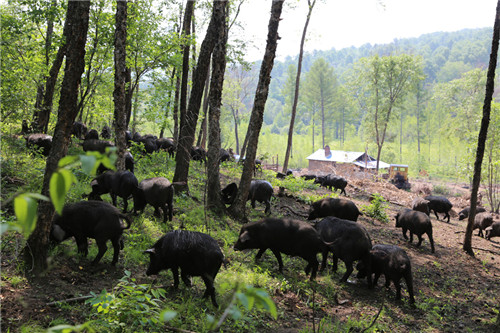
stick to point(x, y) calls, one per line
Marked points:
point(75, 33)
point(187, 130)
point(297, 86)
point(237, 209)
point(202, 134)
point(483, 132)
point(119, 96)
point(186, 32)
point(215, 100)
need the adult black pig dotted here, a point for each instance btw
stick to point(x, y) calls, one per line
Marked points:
point(420, 205)
point(92, 135)
point(198, 154)
point(159, 193)
point(417, 223)
point(224, 156)
point(106, 132)
point(94, 219)
point(439, 204)
point(39, 141)
point(79, 129)
point(332, 181)
point(120, 183)
point(464, 213)
point(261, 191)
point(195, 253)
point(97, 145)
point(292, 237)
point(349, 242)
point(341, 208)
point(493, 230)
point(166, 144)
point(228, 193)
point(482, 221)
point(394, 263)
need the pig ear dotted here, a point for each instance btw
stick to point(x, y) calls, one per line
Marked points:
point(245, 236)
point(153, 250)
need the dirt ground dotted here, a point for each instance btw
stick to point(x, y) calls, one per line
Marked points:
point(467, 281)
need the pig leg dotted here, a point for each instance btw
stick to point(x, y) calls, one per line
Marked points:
point(313, 263)
point(397, 284)
point(409, 286)
point(411, 236)
point(170, 211)
point(431, 240)
point(125, 204)
point(210, 291)
point(323, 262)
point(268, 207)
point(277, 254)
point(419, 240)
point(260, 253)
point(185, 278)
point(348, 271)
point(447, 215)
point(117, 243)
point(81, 243)
point(113, 198)
point(253, 203)
point(437, 217)
point(404, 233)
point(101, 244)
point(175, 273)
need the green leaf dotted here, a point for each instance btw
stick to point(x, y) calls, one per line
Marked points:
point(25, 209)
point(88, 164)
point(243, 299)
point(67, 160)
point(60, 183)
point(168, 315)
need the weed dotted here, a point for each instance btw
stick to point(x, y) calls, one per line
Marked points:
point(441, 189)
point(376, 209)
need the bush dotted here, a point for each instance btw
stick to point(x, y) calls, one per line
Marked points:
point(377, 208)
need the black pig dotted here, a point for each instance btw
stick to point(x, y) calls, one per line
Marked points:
point(439, 204)
point(493, 230)
point(417, 223)
point(40, 141)
point(349, 242)
point(97, 145)
point(261, 191)
point(159, 193)
point(119, 183)
point(464, 213)
point(393, 262)
point(420, 205)
point(341, 208)
point(331, 181)
point(195, 253)
point(292, 237)
point(228, 193)
point(482, 221)
point(95, 219)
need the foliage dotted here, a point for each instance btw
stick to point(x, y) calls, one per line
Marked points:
point(130, 306)
point(376, 208)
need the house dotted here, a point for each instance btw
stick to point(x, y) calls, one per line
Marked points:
point(329, 160)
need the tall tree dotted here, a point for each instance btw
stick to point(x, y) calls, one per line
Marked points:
point(297, 85)
point(237, 209)
point(483, 131)
point(75, 34)
point(120, 78)
point(215, 97)
point(320, 88)
point(385, 81)
point(187, 130)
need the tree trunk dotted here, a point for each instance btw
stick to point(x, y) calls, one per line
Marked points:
point(202, 135)
point(237, 209)
point(237, 140)
point(75, 34)
point(186, 32)
point(297, 85)
point(120, 81)
point(187, 131)
point(175, 112)
point(42, 116)
point(483, 132)
point(40, 95)
point(215, 98)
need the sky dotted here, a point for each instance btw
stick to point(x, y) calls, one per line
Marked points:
point(344, 23)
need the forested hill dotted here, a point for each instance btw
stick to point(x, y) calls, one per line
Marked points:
point(446, 55)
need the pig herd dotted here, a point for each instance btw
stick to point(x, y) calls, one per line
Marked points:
point(336, 230)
